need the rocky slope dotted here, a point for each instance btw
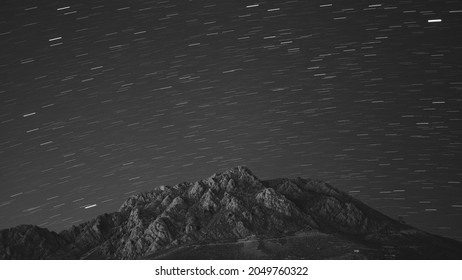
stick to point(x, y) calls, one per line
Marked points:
point(234, 215)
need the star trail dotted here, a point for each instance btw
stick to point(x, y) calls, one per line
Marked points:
point(104, 99)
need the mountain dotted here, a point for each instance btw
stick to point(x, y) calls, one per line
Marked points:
point(234, 215)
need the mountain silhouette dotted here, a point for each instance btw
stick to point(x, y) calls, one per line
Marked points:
point(234, 215)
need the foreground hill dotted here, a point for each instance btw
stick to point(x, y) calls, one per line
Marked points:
point(234, 215)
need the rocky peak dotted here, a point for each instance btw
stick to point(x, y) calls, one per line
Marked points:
point(237, 179)
point(240, 171)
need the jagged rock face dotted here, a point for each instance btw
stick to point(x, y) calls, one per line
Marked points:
point(226, 207)
point(334, 210)
point(16, 243)
point(231, 205)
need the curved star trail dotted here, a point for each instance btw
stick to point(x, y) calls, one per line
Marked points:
point(104, 99)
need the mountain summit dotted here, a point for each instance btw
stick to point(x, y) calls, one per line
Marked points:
point(234, 215)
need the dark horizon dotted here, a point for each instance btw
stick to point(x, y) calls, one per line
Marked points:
point(102, 100)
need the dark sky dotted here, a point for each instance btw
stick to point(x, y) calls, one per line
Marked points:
point(103, 99)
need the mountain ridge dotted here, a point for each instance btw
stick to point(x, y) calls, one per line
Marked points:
point(234, 215)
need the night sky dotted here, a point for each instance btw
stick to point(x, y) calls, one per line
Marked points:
point(104, 99)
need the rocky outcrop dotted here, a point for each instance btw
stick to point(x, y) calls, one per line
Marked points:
point(30, 242)
point(230, 208)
